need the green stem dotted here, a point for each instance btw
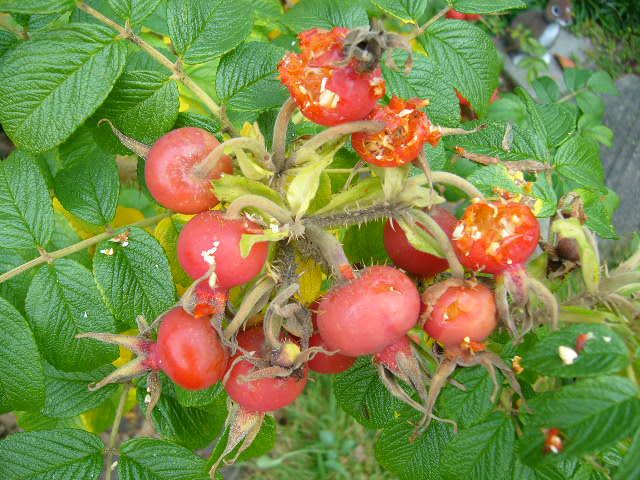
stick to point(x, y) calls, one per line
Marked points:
point(113, 437)
point(261, 203)
point(331, 250)
point(279, 142)
point(76, 247)
point(261, 289)
point(458, 182)
point(569, 96)
point(430, 22)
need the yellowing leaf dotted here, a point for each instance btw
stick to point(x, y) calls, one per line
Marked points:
point(166, 232)
point(125, 216)
point(311, 277)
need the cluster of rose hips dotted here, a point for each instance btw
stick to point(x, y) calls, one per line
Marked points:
point(365, 313)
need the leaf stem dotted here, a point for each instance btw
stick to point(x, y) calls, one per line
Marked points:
point(76, 247)
point(279, 142)
point(113, 437)
point(176, 67)
point(430, 22)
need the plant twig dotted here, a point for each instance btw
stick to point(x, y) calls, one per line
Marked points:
point(176, 68)
point(430, 22)
point(76, 247)
point(355, 217)
point(113, 437)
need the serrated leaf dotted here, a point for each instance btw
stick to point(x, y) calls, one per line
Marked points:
point(547, 90)
point(89, 188)
point(191, 427)
point(63, 301)
point(68, 394)
point(560, 470)
point(36, 6)
point(63, 236)
point(191, 119)
point(576, 78)
point(261, 445)
point(247, 79)
point(425, 81)
point(143, 105)
point(590, 104)
point(15, 289)
point(604, 353)
point(32, 421)
point(591, 413)
point(134, 10)
point(601, 82)
point(21, 370)
point(202, 30)
point(167, 232)
point(135, 279)
point(363, 193)
point(361, 394)
point(578, 161)
point(467, 57)
point(599, 209)
point(490, 177)
point(409, 11)
point(364, 243)
point(200, 398)
point(325, 14)
point(149, 458)
point(466, 407)
point(26, 213)
point(630, 466)
point(560, 121)
point(230, 187)
point(418, 459)
point(486, 6)
point(63, 74)
point(482, 451)
point(70, 454)
point(7, 41)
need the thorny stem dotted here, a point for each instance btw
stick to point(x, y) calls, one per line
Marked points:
point(430, 22)
point(333, 133)
point(209, 162)
point(458, 182)
point(331, 251)
point(457, 270)
point(261, 203)
point(76, 247)
point(114, 432)
point(279, 142)
point(176, 68)
point(354, 217)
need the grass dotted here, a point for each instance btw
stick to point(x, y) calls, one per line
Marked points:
point(317, 440)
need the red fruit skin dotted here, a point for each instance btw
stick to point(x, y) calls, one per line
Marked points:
point(460, 312)
point(407, 129)
point(198, 241)
point(189, 351)
point(408, 258)
point(313, 75)
point(389, 356)
point(208, 301)
point(169, 170)
point(495, 236)
point(365, 315)
point(266, 394)
point(329, 364)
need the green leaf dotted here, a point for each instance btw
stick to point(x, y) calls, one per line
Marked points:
point(426, 80)
point(486, 6)
point(21, 371)
point(304, 183)
point(325, 14)
point(599, 210)
point(576, 78)
point(143, 105)
point(409, 459)
point(230, 187)
point(466, 407)
point(135, 279)
point(592, 414)
point(149, 458)
point(578, 161)
point(482, 451)
point(36, 6)
point(601, 82)
point(15, 289)
point(547, 90)
point(420, 238)
point(560, 121)
point(630, 466)
point(167, 232)
point(249, 240)
point(202, 30)
point(488, 178)
point(89, 187)
point(364, 243)
point(62, 302)
point(63, 74)
point(409, 11)
point(31, 421)
point(467, 57)
point(134, 10)
point(7, 41)
point(70, 454)
point(191, 427)
point(534, 120)
point(68, 394)
point(589, 259)
point(363, 193)
point(598, 132)
point(264, 442)
point(200, 398)
point(604, 353)
point(63, 236)
point(247, 79)
point(590, 104)
point(191, 119)
point(26, 213)
point(323, 193)
point(361, 394)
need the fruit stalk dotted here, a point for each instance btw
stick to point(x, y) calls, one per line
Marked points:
point(279, 142)
point(455, 181)
point(113, 437)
